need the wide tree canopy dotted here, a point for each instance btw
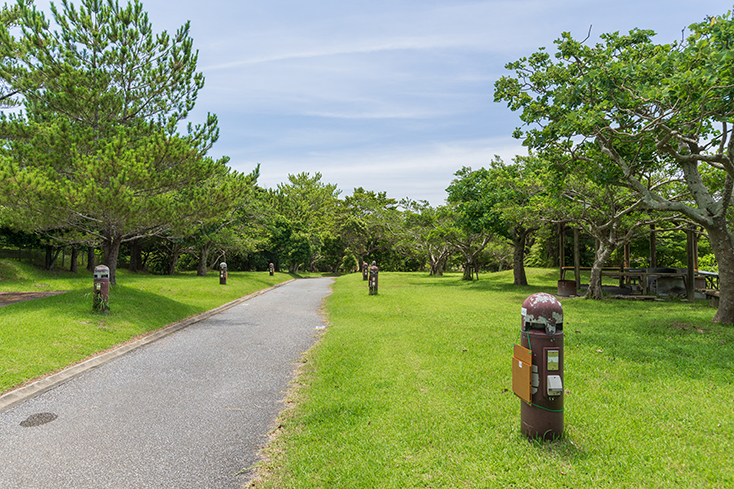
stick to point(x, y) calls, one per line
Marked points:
point(636, 108)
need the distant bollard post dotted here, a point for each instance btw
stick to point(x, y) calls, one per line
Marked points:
point(537, 367)
point(101, 299)
point(365, 271)
point(271, 267)
point(373, 279)
point(222, 273)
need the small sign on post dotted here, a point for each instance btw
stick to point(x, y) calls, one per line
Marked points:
point(522, 363)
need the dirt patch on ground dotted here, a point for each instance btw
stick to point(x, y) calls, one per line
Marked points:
point(13, 297)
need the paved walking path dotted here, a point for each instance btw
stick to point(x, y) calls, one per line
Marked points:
point(190, 410)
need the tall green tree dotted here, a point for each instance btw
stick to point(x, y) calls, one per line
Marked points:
point(98, 148)
point(364, 222)
point(630, 105)
point(424, 230)
point(10, 50)
point(496, 200)
point(221, 230)
point(469, 241)
point(303, 209)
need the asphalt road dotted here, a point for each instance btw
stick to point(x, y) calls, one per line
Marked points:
point(190, 410)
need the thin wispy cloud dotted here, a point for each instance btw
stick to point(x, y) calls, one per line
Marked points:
point(409, 44)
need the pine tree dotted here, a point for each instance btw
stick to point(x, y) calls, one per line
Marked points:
point(98, 148)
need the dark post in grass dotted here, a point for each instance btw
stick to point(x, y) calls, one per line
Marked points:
point(222, 273)
point(101, 299)
point(365, 269)
point(373, 279)
point(537, 367)
point(271, 267)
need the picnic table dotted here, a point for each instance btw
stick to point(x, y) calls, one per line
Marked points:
point(640, 276)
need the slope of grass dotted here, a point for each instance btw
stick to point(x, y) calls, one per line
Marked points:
point(412, 388)
point(44, 335)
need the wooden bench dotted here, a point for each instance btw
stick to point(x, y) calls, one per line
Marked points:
point(712, 295)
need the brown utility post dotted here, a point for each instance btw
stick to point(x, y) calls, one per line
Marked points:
point(374, 270)
point(537, 372)
point(222, 273)
point(101, 290)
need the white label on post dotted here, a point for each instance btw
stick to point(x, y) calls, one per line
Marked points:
point(554, 360)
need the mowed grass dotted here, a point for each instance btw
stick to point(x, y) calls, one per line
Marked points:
point(45, 335)
point(412, 388)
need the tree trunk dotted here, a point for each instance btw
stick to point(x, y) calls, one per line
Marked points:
point(433, 262)
point(723, 248)
point(603, 252)
point(111, 250)
point(202, 268)
point(136, 255)
point(468, 272)
point(518, 259)
point(90, 259)
point(442, 265)
point(74, 259)
point(173, 261)
point(52, 254)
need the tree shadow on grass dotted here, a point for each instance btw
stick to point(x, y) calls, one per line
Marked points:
point(127, 304)
point(517, 293)
point(677, 337)
point(8, 273)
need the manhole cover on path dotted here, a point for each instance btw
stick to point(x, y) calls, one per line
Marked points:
point(38, 419)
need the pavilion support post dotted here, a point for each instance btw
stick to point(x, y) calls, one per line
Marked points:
point(576, 258)
point(627, 262)
point(690, 252)
point(561, 248)
point(653, 248)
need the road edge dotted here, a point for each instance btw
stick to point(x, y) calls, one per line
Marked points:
point(17, 396)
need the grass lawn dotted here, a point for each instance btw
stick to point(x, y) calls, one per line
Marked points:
point(44, 335)
point(412, 388)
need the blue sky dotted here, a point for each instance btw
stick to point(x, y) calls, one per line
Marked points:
point(391, 96)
